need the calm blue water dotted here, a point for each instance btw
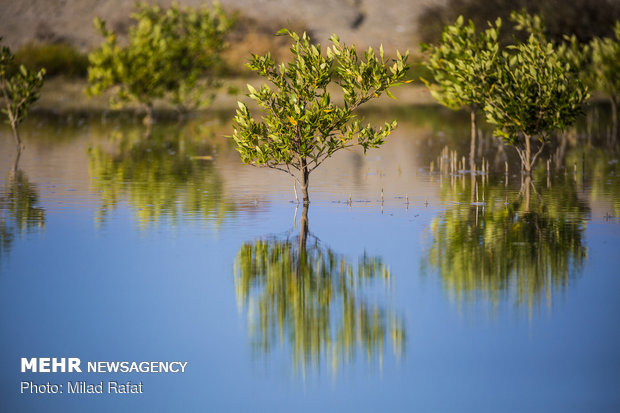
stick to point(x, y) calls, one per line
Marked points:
point(119, 250)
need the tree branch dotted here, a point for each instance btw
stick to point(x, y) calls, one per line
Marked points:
point(538, 152)
point(281, 169)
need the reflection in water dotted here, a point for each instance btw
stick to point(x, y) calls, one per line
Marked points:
point(19, 210)
point(519, 250)
point(170, 174)
point(306, 296)
point(599, 170)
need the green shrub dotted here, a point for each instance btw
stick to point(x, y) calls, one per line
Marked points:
point(585, 19)
point(19, 90)
point(301, 126)
point(56, 58)
point(170, 53)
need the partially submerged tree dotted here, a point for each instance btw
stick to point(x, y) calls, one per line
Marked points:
point(170, 53)
point(536, 91)
point(462, 65)
point(605, 71)
point(301, 125)
point(19, 91)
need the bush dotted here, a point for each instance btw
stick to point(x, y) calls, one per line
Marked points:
point(56, 58)
point(585, 19)
point(170, 53)
point(301, 126)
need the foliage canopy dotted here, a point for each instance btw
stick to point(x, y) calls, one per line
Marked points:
point(170, 53)
point(585, 19)
point(302, 126)
point(606, 62)
point(58, 59)
point(462, 65)
point(536, 91)
point(19, 90)
point(605, 71)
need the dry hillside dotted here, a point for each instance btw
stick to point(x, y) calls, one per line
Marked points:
point(364, 22)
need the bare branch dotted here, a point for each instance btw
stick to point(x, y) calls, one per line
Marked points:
point(538, 152)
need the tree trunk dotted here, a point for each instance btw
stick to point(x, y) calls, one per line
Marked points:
point(17, 156)
point(527, 158)
point(303, 236)
point(13, 122)
point(11, 115)
point(472, 145)
point(614, 118)
point(18, 139)
point(304, 181)
point(528, 192)
point(303, 231)
point(149, 119)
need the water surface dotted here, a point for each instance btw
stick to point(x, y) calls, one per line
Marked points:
point(405, 287)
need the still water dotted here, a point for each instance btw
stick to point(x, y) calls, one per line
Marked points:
point(407, 285)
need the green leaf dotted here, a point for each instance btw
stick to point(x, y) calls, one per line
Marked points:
point(299, 118)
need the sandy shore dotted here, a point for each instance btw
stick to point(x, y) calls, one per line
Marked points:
point(60, 95)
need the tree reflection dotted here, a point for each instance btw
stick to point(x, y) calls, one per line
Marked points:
point(168, 175)
point(598, 170)
point(302, 294)
point(19, 209)
point(519, 250)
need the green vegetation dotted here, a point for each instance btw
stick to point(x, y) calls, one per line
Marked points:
point(57, 59)
point(528, 89)
point(302, 126)
point(171, 53)
point(605, 71)
point(462, 66)
point(19, 90)
point(536, 91)
point(585, 19)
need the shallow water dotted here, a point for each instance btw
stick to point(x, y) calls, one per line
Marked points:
point(431, 289)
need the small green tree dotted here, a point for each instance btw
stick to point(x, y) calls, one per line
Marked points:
point(536, 91)
point(20, 90)
point(169, 53)
point(462, 66)
point(302, 126)
point(605, 69)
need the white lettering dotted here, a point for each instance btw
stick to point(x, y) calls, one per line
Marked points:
point(56, 363)
point(33, 388)
point(50, 365)
point(44, 365)
point(29, 365)
point(183, 364)
point(74, 365)
point(131, 366)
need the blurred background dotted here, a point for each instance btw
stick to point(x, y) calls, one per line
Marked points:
point(58, 34)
